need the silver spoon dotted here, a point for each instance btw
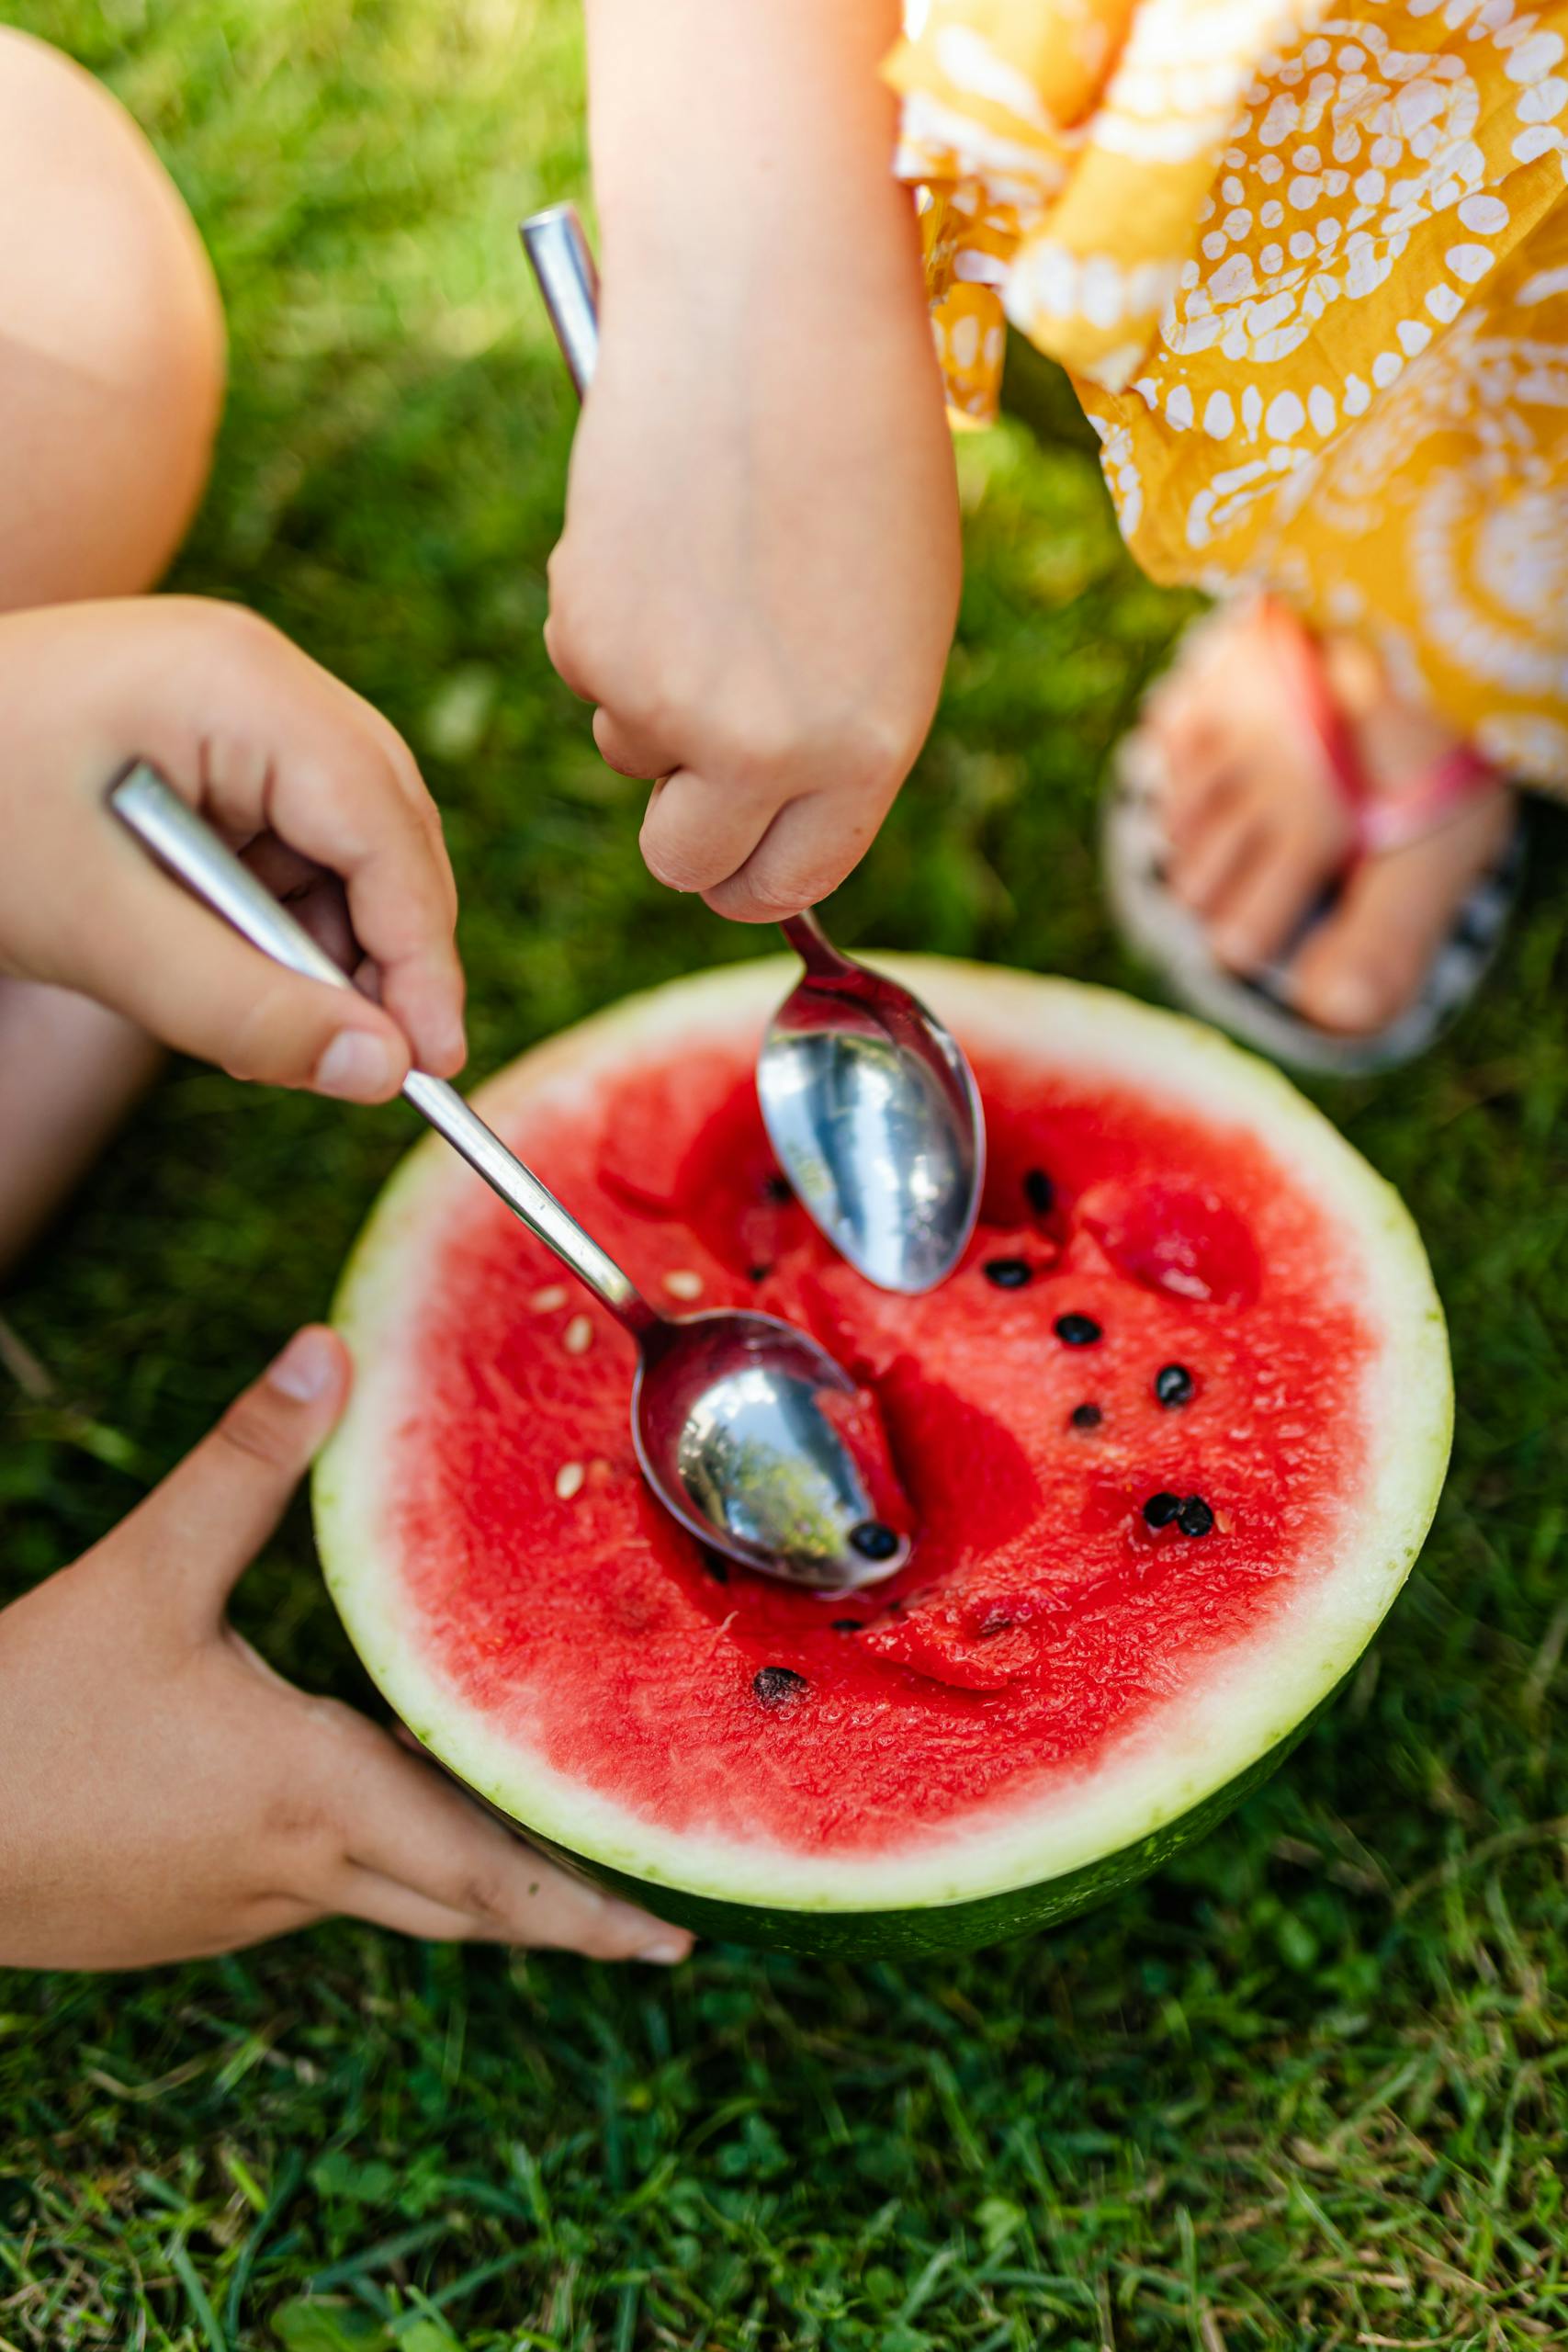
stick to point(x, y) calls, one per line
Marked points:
point(737, 1418)
point(867, 1098)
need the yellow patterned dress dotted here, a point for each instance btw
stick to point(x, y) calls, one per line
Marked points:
point(1308, 266)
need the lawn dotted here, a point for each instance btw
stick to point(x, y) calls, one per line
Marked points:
point(1305, 2088)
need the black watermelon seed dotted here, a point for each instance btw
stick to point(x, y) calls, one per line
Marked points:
point(1087, 1417)
point(1007, 1273)
point(1161, 1509)
point(1077, 1330)
point(715, 1568)
point(1195, 1517)
point(777, 1189)
point(994, 1624)
point(776, 1685)
point(872, 1540)
point(757, 1274)
point(848, 1624)
point(1039, 1191)
point(1173, 1383)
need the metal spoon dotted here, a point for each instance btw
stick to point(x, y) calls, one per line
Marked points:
point(742, 1423)
point(867, 1098)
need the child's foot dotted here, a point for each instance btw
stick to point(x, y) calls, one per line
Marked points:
point(1258, 828)
point(69, 1073)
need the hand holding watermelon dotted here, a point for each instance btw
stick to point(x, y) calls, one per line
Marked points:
point(169, 1796)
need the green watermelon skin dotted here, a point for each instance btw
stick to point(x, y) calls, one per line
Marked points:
point(944, 1928)
point(688, 1887)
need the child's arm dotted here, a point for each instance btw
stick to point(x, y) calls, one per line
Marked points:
point(758, 574)
point(316, 787)
point(166, 1795)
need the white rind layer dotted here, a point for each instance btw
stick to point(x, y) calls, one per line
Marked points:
point(1180, 1753)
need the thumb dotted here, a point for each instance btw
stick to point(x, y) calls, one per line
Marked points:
point(179, 970)
point(201, 1528)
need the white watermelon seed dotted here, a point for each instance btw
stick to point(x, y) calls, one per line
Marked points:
point(546, 1301)
point(683, 1283)
point(577, 1337)
point(569, 1480)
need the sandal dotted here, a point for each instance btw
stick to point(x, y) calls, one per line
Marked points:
point(1257, 1008)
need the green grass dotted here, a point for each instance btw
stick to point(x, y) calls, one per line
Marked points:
point(1305, 2089)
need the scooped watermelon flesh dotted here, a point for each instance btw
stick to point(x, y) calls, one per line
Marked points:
point(1173, 1434)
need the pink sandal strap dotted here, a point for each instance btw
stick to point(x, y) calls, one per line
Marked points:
point(1429, 800)
point(1383, 820)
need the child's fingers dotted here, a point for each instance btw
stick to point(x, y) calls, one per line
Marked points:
point(637, 752)
point(751, 862)
point(338, 786)
point(316, 899)
point(178, 969)
point(386, 1903)
point(695, 835)
point(418, 1831)
point(319, 904)
point(810, 846)
point(323, 910)
point(390, 1903)
point(201, 1528)
point(560, 649)
point(351, 810)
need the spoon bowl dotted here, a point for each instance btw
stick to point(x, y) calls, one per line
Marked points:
point(874, 1114)
point(745, 1425)
point(749, 1432)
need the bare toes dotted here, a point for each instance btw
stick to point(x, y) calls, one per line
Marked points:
point(1265, 907)
point(1209, 861)
point(1356, 974)
point(1193, 757)
point(1210, 794)
point(1368, 960)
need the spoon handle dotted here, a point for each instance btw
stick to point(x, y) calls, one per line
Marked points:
point(816, 951)
point(557, 245)
point(184, 842)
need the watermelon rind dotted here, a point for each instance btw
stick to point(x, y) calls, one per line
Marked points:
point(1019, 1864)
point(925, 1930)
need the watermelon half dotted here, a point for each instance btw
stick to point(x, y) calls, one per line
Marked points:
point(1174, 1432)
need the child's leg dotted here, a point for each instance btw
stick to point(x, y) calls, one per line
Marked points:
point(111, 379)
point(111, 342)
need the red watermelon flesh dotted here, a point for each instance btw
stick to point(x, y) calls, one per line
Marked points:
point(1042, 1614)
point(1174, 1432)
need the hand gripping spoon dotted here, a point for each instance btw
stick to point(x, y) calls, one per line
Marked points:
point(745, 1430)
point(868, 1100)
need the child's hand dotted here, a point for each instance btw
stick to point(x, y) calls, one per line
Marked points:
point(759, 575)
point(168, 1795)
point(320, 792)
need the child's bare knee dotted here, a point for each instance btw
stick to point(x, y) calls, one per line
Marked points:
point(111, 342)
